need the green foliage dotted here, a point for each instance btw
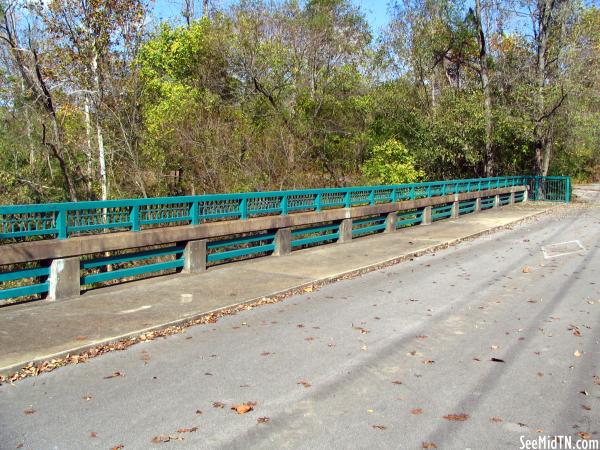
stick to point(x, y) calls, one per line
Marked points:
point(391, 163)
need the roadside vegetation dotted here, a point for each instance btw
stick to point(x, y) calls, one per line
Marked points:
point(99, 101)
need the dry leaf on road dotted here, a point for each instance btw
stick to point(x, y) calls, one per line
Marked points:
point(457, 417)
point(243, 408)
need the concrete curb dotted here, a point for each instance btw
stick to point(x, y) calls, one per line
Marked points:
point(274, 297)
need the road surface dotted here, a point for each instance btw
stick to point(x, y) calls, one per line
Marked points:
point(397, 358)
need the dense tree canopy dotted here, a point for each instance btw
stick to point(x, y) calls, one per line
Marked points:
point(97, 101)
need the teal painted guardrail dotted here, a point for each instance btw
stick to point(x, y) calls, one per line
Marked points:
point(61, 220)
point(66, 219)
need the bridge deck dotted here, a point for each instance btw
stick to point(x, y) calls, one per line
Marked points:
point(34, 332)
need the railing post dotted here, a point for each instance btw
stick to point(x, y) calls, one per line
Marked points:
point(347, 199)
point(244, 208)
point(134, 217)
point(477, 204)
point(511, 201)
point(372, 197)
point(194, 256)
point(496, 201)
point(426, 217)
point(194, 213)
point(61, 224)
point(393, 196)
point(455, 210)
point(390, 222)
point(318, 202)
point(568, 190)
point(64, 279)
point(283, 242)
point(284, 205)
point(345, 231)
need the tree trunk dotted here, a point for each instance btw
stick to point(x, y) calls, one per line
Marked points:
point(489, 168)
point(89, 153)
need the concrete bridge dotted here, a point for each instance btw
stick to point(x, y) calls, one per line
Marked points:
point(452, 334)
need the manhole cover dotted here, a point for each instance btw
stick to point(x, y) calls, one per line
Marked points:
point(562, 249)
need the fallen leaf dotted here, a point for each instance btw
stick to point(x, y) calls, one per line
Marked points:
point(413, 353)
point(456, 417)
point(87, 397)
point(379, 427)
point(81, 338)
point(187, 430)
point(29, 411)
point(304, 383)
point(164, 438)
point(495, 347)
point(584, 392)
point(428, 361)
point(526, 269)
point(497, 360)
point(243, 408)
point(118, 447)
point(114, 375)
point(577, 353)
point(396, 382)
point(218, 405)
point(496, 419)
point(416, 411)
point(586, 407)
point(198, 412)
point(265, 353)
point(596, 380)
point(584, 435)
point(362, 330)
point(428, 445)
point(422, 336)
point(263, 420)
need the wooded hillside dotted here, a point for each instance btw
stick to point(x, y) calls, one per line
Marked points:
point(99, 102)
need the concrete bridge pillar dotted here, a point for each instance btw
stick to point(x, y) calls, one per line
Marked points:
point(283, 242)
point(512, 199)
point(525, 195)
point(455, 210)
point(194, 256)
point(390, 222)
point(477, 204)
point(64, 279)
point(345, 231)
point(496, 201)
point(426, 218)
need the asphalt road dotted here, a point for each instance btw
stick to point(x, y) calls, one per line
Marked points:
point(372, 362)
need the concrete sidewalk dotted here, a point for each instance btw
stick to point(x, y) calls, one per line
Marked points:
point(41, 331)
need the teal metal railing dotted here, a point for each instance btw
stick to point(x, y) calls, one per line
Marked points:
point(61, 220)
